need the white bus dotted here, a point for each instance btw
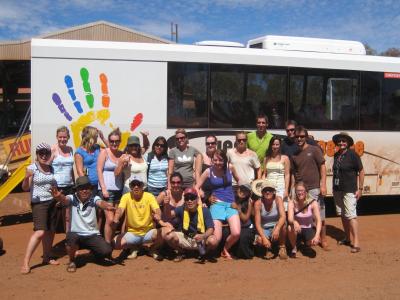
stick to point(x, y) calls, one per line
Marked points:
point(213, 89)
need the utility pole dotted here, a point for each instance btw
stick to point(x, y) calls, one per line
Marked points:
point(174, 33)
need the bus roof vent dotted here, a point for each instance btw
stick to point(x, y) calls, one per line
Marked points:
point(220, 44)
point(290, 43)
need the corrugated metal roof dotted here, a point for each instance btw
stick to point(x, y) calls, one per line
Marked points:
point(96, 31)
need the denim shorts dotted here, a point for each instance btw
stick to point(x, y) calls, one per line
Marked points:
point(222, 211)
point(316, 194)
point(134, 239)
point(113, 196)
point(154, 190)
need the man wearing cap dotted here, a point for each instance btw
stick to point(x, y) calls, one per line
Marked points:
point(308, 166)
point(142, 215)
point(258, 140)
point(83, 231)
point(348, 181)
point(194, 227)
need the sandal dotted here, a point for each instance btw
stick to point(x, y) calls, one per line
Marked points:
point(71, 267)
point(355, 249)
point(25, 270)
point(282, 252)
point(344, 242)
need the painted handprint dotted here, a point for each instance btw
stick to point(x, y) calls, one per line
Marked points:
point(88, 118)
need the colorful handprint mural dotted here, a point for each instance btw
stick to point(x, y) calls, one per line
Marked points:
point(91, 116)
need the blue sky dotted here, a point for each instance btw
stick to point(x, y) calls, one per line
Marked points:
point(374, 22)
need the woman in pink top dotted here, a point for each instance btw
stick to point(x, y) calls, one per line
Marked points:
point(303, 213)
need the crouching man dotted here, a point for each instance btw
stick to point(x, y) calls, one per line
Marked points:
point(194, 227)
point(84, 232)
point(142, 215)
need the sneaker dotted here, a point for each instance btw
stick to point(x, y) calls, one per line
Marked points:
point(293, 253)
point(179, 257)
point(157, 256)
point(133, 254)
point(282, 252)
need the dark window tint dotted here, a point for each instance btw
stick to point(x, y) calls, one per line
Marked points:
point(391, 104)
point(324, 99)
point(187, 95)
point(266, 93)
point(370, 102)
point(227, 107)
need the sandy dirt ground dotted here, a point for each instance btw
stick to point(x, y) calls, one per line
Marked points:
point(337, 274)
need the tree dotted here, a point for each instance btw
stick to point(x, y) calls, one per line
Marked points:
point(370, 50)
point(395, 52)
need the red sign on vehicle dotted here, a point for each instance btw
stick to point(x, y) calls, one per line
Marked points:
point(392, 75)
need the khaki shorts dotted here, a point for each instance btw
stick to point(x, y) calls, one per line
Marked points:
point(346, 204)
point(186, 242)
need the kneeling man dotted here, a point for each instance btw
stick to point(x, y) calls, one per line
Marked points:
point(83, 231)
point(194, 227)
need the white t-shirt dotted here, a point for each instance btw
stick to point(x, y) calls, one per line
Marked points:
point(244, 164)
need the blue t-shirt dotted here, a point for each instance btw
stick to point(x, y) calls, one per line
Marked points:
point(208, 221)
point(90, 163)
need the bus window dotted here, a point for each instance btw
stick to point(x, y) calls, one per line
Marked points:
point(324, 99)
point(227, 107)
point(187, 95)
point(391, 104)
point(370, 102)
point(266, 93)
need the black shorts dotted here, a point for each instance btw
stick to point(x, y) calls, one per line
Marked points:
point(44, 215)
point(306, 234)
point(95, 243)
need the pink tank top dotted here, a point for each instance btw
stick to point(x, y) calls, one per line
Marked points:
point(305, 220)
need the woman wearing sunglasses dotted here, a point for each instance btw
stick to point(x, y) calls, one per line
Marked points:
point(38, 180)
point(110, 185)
point(132, 164)
point(184, 159)
point(157, 166)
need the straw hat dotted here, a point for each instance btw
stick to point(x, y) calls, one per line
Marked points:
point(257, 186)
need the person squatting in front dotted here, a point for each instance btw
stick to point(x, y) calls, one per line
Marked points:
point(304, 219)
point(142, 215)
point(269, 218)
point(84, 231)
point(194, 227)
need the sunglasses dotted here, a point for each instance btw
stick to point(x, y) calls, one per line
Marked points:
point(268, 191)
point(242, 140)
point(342, 141)
point(176, 182)
point(210, 143)
point(290, 130)
point(44, 153)
point(180, 138)
point(136, 184)
point(300, 136)
point(190, 197)
point(160, 145)
point(114, 142)
point(300, 191)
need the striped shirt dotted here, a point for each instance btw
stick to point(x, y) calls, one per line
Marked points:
point(157, 172)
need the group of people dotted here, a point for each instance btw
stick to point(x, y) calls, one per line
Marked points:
point(263, 196)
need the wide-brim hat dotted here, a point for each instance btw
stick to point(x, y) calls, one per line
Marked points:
point(257, 186)
point(82, 181)
point(343, 135)
point(133, 140)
